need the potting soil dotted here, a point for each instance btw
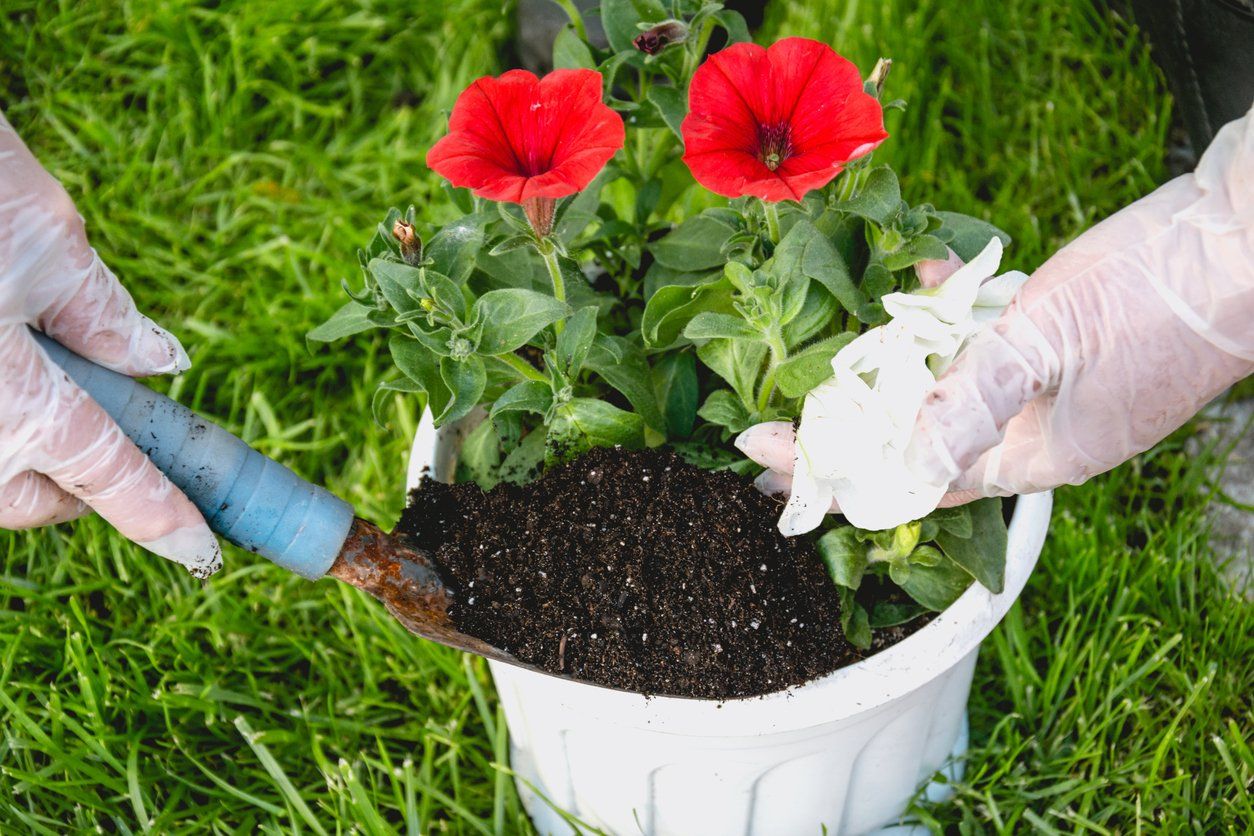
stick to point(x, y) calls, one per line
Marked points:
point(636, 570)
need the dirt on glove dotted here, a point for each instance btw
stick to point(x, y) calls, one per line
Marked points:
point(637, 570)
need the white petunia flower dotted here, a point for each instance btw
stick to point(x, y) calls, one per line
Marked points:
point(856, 425)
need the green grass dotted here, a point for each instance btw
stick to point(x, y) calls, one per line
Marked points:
point(229, 160)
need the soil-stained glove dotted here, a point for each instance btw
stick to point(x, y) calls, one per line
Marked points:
point(60, 454)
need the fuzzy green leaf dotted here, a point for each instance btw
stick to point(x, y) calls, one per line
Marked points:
point(512, 316)
point(695, 245)
point(570, 52)
point(670, 310)
point(803, 371)
point(423, 368)
point(853, 620)
point(675, 382)
point(584, 423)
point(726, 410)
point(576, 339)
point(709, 325)
point(453, 249)
point(738, 362)
point(983, 554)
point(969, 236)
point(935, 587)
point(351, 318)
point(878, 200)
point(524, 462)
point(623, 365)
point(527, 396)
point(809, 251)
point(891, 613)
point(465, 380)
point(844, 556)
point(671, 105)
point(480, 456)
point(619, 18)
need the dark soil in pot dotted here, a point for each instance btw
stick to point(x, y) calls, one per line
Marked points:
point(636, 570)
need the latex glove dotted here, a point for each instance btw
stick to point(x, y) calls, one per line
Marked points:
point(1114, 343)
point(60, 454)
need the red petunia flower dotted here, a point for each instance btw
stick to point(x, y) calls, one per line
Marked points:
point(527, 140)
point(776, 123)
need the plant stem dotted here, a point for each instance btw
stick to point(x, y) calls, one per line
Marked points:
point(549, 252)
point(779, 353)
point(576, 19)
point(772, 221)
point(525, 369)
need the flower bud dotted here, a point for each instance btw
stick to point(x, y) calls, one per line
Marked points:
point(540, 212)
point(411, 245)
point(657, 38)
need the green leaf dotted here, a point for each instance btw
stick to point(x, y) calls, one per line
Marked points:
point(709, 456)
point(695, 245)
point(517, 268)
point(351, 318)
point(480, 456)
point(423, 368)
point(619, 18)
point(970, 235)
point(576, 339)
point(670, 310)
point(658, 276)
point(878, 200)
point(726, 410)
point(389, 387)
point(444, 291)
point(817, 313)
point(675, 381)
point(397, 280)
point(733, 23)
point(527, 396)
point(983, 554)
point(919, 248)
point(738, 362)
point(570, 52)
point(709, 325)
point(513, 316)
point(465, 380)
point(853, 620)
point(584, 423)
point(623, 365)
point(803, 371)
point(453, 249)
point(891, 613)
point(671, 105)
point(511, 243)
point(956, 520)
point(936, 587)
point(808, 250)
point(524, 462)
point(844, 556)
point(575, 213)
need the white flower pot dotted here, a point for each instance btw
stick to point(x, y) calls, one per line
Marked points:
point(846, 752)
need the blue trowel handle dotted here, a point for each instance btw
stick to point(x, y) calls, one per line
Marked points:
point(247, 498)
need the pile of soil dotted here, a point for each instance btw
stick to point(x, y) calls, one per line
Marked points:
point(636, 570)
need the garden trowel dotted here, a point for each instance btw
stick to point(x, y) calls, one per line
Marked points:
point(260, 505)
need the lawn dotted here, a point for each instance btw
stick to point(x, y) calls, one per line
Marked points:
point(230, 158)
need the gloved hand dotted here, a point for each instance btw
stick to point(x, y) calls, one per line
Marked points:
point(1113, 343)
point(60, 454)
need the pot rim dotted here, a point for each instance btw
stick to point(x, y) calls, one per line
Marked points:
point(852, 690)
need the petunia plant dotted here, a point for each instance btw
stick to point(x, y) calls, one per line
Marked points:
point(675, 237)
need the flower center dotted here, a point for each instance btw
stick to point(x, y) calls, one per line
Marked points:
point(774, 144)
